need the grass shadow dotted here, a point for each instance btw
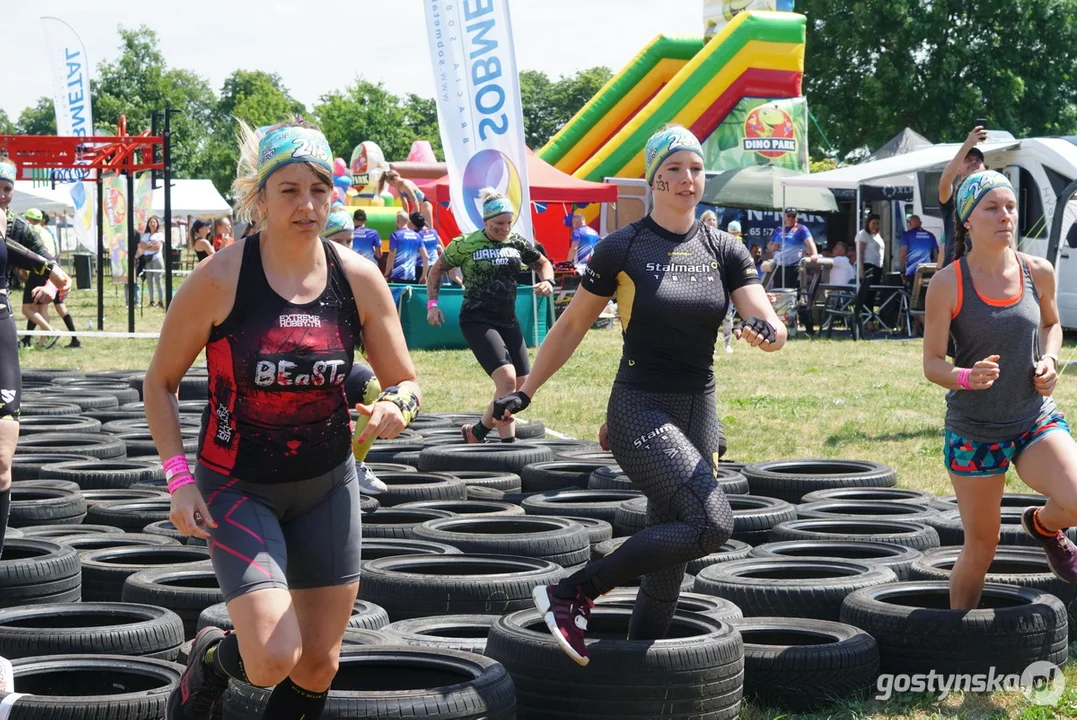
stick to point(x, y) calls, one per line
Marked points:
point(851, 433)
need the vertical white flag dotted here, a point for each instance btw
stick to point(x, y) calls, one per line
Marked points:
point(74, 114)
point(479, 109)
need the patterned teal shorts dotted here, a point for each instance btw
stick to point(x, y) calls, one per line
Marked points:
point(977, 459)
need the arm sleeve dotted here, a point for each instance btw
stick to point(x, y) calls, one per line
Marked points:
point(28, 239)
point(452, 258)
point(25, 259)
point(606, 263)
point(738, 268)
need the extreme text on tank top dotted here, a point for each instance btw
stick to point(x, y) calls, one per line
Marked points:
point(1008, 328)
point(277, 410)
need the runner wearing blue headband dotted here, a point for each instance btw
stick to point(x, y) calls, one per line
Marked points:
point(998, 306)
point(279, 315)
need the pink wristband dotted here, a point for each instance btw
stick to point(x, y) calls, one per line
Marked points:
point(179, 481)
point(176, 466)
point(431, 304)
point(963, 378)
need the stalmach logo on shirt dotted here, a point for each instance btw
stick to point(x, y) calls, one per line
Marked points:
point(769, 131)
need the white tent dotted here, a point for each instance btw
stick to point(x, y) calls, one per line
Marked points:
point(43, 197)
point(192, 197)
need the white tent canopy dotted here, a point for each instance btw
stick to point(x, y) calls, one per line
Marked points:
point(192, 197)
point(43, 197)
point(897, 170)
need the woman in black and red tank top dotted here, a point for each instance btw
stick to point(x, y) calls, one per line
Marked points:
point(279, 315)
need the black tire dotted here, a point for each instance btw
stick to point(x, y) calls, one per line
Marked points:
point(140, 443)
point(609, 477)
point(853, 509)
point(93, 497)
point(805, 664)
point(389, 467)
point(731, 550)
point(909, 534)
point(130, 516)
point(543, 477)
point(394, 547)
point(353, 636)
point(105, 570)
point(35, 572)
point(397, 523)
point(425, 421)
point(631, 517)
point(428, 585)
point(560, 445)
point(1009, 500)
point(368, 504)
point(732, 482)
point(64, 485)
point(917, 632)
point(560, 541)
point(186, 591)
point(81, 387)
point(45, 506)
point(485, 494)
point(98, 445)
point(394, 452)
point(902, 495)
point(452, 632)
point(185, 407)
point(396, 681)
point(85, 399)
point(110, 474)
point(791, 480)
point(48, 408)
point(952, 533)
point(93, 687)
point(412, 486)
point(52, 533)
point(107, 414)
point(597, 530)
point(754, 516)
point(898, 558)
point(31, 466)
point(467, 507)
point(165, 528)
point(91, 628)
point(492, 456)
point(698, 673)
point(1024, 567)
point(715, 608)
point(95, 541)
point(49, 374)
point(368, 616)
point(599, 504)
point(790, 587)
point(63, 423)
point(589, 455)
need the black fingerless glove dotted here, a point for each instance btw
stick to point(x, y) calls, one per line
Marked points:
point(760, 327)
point(514, 403)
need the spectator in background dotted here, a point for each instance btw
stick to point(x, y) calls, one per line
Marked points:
point(790, 243)
point(338, 228)
point(968, 160)
point(222, 233)
point(871, 248)
point(584, 239)
point(710, 219)
point(841, 272)
point(918, 247)
point(756, 251)
point(200, 241)
point(151, 244)
point(365, 241)
point(405, 249)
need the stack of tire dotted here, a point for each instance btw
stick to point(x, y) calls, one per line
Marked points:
point(832, 575)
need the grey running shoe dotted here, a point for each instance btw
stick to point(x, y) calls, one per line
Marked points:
point(369, 484)
point(198, 696)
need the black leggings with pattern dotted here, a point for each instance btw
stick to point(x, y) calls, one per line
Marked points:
point(668, 445)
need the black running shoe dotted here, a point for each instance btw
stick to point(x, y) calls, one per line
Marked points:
point(198, 696)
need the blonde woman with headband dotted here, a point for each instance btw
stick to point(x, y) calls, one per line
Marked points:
point(999, 307)
point(674, 279)
point(279, 315)
point(490, 259)
point(20, 247)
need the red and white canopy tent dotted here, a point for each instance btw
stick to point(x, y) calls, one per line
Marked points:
point(554, 196)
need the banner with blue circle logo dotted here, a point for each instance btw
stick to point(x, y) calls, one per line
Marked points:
point(479, 108)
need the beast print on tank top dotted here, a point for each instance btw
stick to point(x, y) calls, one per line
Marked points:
point(277, 410)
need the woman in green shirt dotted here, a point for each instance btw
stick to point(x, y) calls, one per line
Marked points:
point(490, 260)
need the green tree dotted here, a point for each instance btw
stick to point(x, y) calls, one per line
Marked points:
point(421, 119)
point(39, 119)
point(258, 98)
point(365, 111)
point(140, 83)
point(549, 105)
point(6, 126)
point(876, 66)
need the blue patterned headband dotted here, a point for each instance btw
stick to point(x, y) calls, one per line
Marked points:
point(974, 188)
point(288, 145)
point(665, 143)
point(8, 172)
point(339, 221)
point(497, 206)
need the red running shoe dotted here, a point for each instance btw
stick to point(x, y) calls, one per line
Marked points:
point(567, 619)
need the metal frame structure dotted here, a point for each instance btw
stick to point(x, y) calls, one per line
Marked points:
point(96, 156)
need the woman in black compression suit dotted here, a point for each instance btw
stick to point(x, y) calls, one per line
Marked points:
point(19, 248)
point(673, 278)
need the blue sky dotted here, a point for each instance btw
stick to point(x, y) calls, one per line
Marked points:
point(381, 41)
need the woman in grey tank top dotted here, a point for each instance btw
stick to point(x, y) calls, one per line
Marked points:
point(998, 306)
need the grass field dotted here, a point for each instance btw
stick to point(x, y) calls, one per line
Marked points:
point(816, 398)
